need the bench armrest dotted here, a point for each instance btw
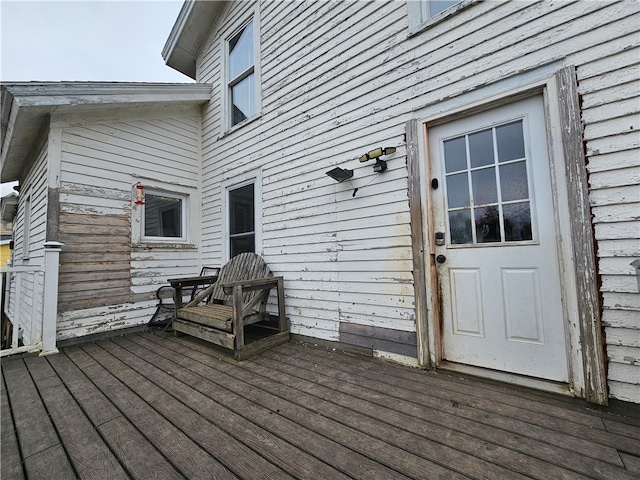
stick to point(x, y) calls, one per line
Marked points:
point(254, 284)
point(192, 281)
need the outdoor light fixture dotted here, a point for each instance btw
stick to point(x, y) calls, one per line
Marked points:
point(380, 165)
point(139, 194)
point(340, 174)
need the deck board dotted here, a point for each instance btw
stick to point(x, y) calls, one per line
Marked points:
point(11, 465)
point(151, 405)
point(473, 402)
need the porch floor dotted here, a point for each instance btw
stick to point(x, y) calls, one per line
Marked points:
point(150, 405)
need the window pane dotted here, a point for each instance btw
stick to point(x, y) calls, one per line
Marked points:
point(241, 217)
point(241, 52)
point(517, 222)
point(460, 226)
point(242, 100)
point(457, 190)
point(513, 181)
point(487, 224)
point(510, 141)
point(162, 216)
point(242, 244)
point(481, 148)
point(455, 155)
point(437, 6)
point(484, 186)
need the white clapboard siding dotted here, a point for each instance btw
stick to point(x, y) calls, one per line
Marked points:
point(340, 78)
point(29, 289)
point(106, 282)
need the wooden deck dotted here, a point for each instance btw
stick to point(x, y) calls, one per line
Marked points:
point(150, 405)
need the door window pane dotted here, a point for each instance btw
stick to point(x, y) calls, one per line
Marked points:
point(484, 186)
point(487, 224)
point(510, 141)
point(458, 190)
point(517, 222)
point(455, 155)
point(460, 226)
point(481, 148)
point(513, 181)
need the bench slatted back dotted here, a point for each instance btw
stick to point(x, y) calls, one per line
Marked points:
point(245, 266)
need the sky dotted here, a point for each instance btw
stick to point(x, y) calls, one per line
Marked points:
point(86, 40)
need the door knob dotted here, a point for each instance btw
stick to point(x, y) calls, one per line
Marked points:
point(441, 259)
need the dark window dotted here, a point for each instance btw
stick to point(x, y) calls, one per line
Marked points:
point(241, 220)
point(162, 216)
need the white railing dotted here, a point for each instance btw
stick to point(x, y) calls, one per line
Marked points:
point(40, 321)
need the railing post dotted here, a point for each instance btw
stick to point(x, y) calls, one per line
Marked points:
point(50, 297)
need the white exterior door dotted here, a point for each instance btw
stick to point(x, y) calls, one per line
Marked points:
point(497, 253)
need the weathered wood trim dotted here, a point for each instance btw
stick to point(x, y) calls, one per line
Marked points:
point(378, 338)
point(53, 214)
point(434, 279)
point(417, 241)
point(584, 259)
point(91, 248)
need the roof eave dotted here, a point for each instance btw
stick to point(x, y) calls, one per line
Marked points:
point(31, 104)
point(189, 33)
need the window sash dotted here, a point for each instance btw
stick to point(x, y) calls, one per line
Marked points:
point(241, 83)
point(241, 219)
point(164, 219)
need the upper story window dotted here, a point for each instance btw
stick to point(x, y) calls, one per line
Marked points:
point(164, 217)
point(431, 8)
point(423, 13)
point(241, 75)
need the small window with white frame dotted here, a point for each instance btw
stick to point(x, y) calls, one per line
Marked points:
point(241, 74)
point(165, 217)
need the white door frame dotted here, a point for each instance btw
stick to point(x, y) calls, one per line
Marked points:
point(575, 241)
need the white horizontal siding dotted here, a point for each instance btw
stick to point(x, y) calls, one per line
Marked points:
point(29, 290)
point(341, 78)
point(101, 161)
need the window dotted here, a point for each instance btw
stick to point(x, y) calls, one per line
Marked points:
point(487, 186)
point(242, 220)
point(26, 228)
point(424, 13)
point(164, 217)
point(431, 8)
point(241, 77)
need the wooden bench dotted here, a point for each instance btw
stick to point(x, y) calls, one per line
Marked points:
point(165, 310)
point(237, 298)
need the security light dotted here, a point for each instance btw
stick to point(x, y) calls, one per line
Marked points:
point(375, 154)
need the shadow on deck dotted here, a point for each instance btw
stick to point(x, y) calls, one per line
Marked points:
point(148, 405)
